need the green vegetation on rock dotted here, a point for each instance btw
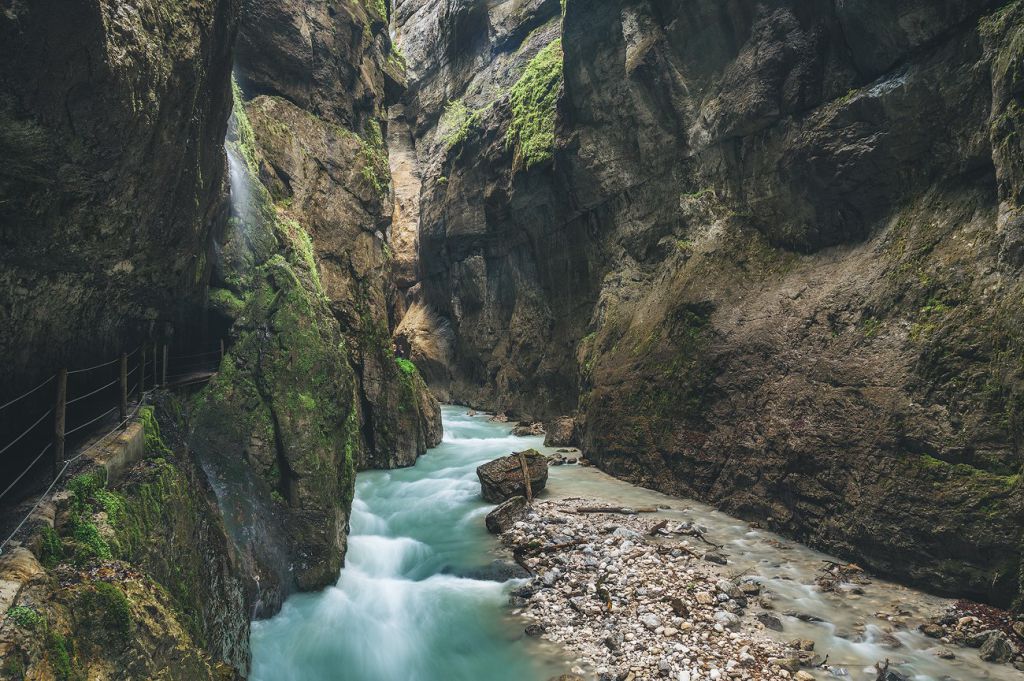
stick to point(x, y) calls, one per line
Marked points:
point(374, 155)
point(531, 132)
point(107, 608)
point(380, 7)
point(407, 367)
point(52, 549)
point(151, 429)
point(246, 140)
point(25, 617)
point(457, 122)
point(62, 657)
point(226, 302)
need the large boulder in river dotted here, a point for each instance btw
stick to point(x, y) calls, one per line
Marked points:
point(561, 432)
point(505, 515)
point(502, 478)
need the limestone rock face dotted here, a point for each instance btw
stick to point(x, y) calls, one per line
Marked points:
point(332, 60)
point(767, 334)
point(113, 171)
point(112, 120)
point(502, 479)
point(773, 262)
point(481, 282)
point(311, 388)
point(320, 131)
point(560, 432)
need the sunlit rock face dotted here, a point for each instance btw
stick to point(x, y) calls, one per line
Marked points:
point(773, 259)
point(311, 389)
point(496, 297)
point(320, 128)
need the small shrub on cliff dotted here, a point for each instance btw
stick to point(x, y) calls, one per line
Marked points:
point(106, 606)
point(376, 170)
point(24, 617)
point(456, 123)
point(534, 98)
point(407, 367)
point(52, 551)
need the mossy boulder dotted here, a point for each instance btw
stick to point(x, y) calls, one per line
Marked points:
point(277, 424)
point(136, 580)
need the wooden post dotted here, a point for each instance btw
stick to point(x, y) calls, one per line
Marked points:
point(58, 421)
point(164, 382)
point(156, 377)
point(222, 349)
point(142, 371)
point(124, 390)
point(526, 476)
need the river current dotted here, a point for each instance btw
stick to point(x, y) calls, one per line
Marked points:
point(406, 609)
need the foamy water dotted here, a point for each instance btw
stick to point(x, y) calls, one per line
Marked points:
point(399, 613)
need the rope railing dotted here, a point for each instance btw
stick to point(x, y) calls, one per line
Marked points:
point(67, 464)
point(26, 394)
point(24, 472)
point(151, 370)
point(26, 431)
point(90, 394)
point(91, 421)
point(93, 368)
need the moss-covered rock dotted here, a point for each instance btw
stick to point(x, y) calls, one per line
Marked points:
point(275, 426)
point(135, 580)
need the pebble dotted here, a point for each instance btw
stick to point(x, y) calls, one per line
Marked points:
point(632, 606)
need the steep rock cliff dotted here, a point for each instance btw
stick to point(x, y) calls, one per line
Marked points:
point(310, 389)
point(112, 117)
point(324, 160)
point(776, 255)
point(493, 307)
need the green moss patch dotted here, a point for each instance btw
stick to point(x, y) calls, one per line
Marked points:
point(25, 617)
point(458, 121)
point(154, 442)
point(534, 98)
point(61, 654)
point(106, 610)
point(246, 138)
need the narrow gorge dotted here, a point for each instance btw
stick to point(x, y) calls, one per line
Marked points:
point(751, 267)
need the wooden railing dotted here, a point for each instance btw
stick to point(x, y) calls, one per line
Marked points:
point(153, 367)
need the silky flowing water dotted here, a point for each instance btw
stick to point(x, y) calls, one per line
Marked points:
point(401, 611)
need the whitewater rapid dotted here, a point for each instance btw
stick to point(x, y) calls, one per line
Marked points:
point(400, 611)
